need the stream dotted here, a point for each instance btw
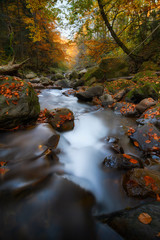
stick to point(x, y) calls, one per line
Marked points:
point(57, 197)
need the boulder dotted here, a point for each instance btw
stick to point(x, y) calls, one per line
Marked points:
point(126, 109)
point(35, 80)
point(88, 95)
point(142, 183)
point(139, 77)
point(106, 100)
point(77, 83)
point(62, 83)
point(118, 96)
point(53, 141)
point(122, 161)
point(144, 104)
point(61, 119)
point(31, 75)
point(136, 95)
point(151, 116)
point(127, 224)
point(73, 75)
point(19, 103)
point(57, 76)
point(81, 73)
point(146, 137)
point(95, 72)
point(45, 81)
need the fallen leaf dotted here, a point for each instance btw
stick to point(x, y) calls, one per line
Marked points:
point(136, 144)
point(145, 218)
point(158, 234)
point(134, 161)
point(148, 141)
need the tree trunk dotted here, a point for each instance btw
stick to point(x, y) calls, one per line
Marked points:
point(11, 68)
point(135, 58)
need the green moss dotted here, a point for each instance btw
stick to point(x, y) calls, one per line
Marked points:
point(139, 77)
point(149, 65)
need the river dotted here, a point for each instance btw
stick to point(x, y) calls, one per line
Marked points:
point(56, 197)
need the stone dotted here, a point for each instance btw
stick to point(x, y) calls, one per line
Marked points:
point(74, 75)
point(122, 161)
point(150, 116)
point(31, 75)
point(91, 92)
point(147, 137)
point(106, 100)
point(20, 106)
point(46, 81)
point(77, 83)
point(61, 119)
point(35, 80)
point(127, 224)
point(81, 73)
point(126, 109)
point(53, 141)
point(118, 96)
point(145, 104)
point(62, 83)
point(57, 76)
point(142, 183)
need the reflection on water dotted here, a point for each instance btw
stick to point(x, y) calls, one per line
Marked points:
point(40, 197)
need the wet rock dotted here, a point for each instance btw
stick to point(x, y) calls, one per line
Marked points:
point(61, 119)
point(77, 83)
point(38, 86)
point(53, 141)
point(138, 94)
point(142, 183)
point(144, 104)
point(88, 95)
point(19, 103)
point(126, 222)
point(126, 109)
point(62, 83)
point(106, 100)
point(122, 161)
point(150, 116)
point(69, 92)
point(116, 148)
point(147, 137)
point(112, 139)
point(31, 75)
point(73, 75)
point(118, 96)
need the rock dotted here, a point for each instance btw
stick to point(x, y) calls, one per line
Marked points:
point(53, 141)
point(20, 104)
point(73, 75)
point(61, 119)
point(112, 139)
point(138, 94)
point(144, 104)
point(31, 75)
point(116, 148)
point(142, 183)
point(149, 66)
point(95, 72)
point(151, 116)
point(114, 67)
point(38, 86)
point(62, 83)
point(126, 109)
point(122, 161)
point(141, 75)
point(46, 81)
point(35, 80)
point(81, 73)
point(77, 83)
point(91, 81)
point(118, 96)
point(147, 137)
point(88, 95)
point(106, 100)
point(127, 224)
point(57, 76)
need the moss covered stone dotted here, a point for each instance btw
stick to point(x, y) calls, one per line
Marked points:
point(19, 103)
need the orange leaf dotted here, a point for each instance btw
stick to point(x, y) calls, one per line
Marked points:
point(144, 218)
point(136, 144)
point(134, 161)
point(158, 197)
point(147, 141)
point(2, 163)
point(148, 180)
point(126, 156)
point(158, 234)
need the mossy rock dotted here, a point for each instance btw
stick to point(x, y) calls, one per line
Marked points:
point(139, 77)
point(19, 103)
point(94, 72)
point(149, 66)
point(114, 67)
point(146, 91)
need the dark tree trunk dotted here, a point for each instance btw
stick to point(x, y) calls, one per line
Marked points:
point(135, 58)
point(11, 68)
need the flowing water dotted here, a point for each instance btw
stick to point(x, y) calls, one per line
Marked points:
point(56, 196)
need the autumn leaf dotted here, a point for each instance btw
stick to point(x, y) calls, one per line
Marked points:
point(2, 163)
point(134, 161)
point(158, 197)
point(3, 171)
point(148, 141)
point(136, 144)
point(145, 218)
point(158, 234)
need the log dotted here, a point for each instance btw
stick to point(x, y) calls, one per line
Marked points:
point(11, 68)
